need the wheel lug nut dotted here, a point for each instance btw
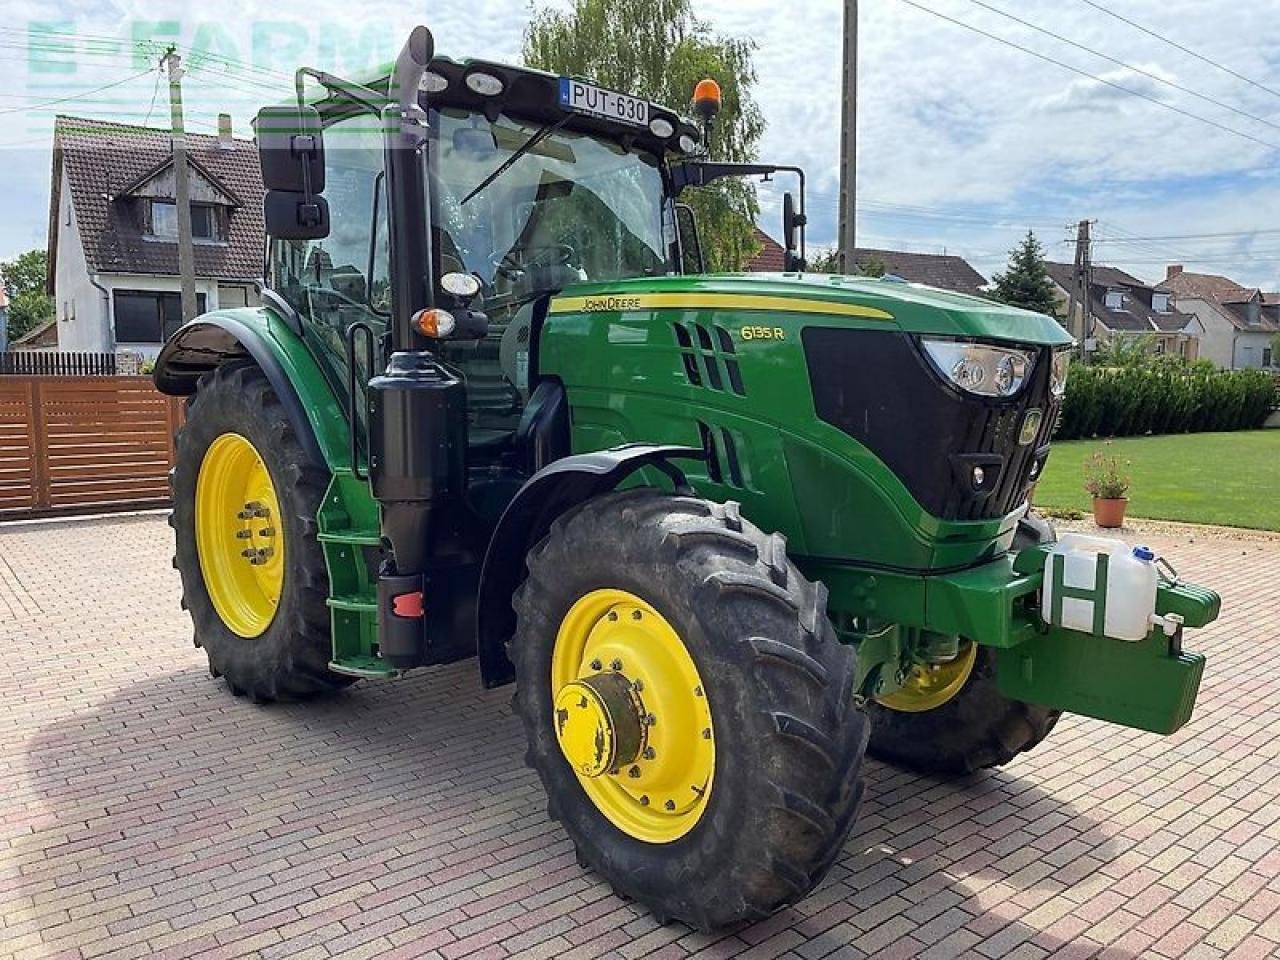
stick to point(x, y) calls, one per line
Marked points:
point(637, 685)
point(650, 720)
point(267, 532)
point(615, 665)
point(706, 733)
point(697, 691)
point(596, 665)
point(633, 772)
point(644, 800)
point(670, 805)
point(649, 753)
point(636, 614)
point(243, 534)
point(613, 615)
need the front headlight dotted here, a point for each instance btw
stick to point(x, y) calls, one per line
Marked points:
point(978, 367)
point(1058, 375)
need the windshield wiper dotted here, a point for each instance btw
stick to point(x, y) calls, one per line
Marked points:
point(541, 134)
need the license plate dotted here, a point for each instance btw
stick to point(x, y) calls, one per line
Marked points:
point(587, 98)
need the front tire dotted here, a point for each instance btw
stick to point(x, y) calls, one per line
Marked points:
point(772, 706)
point(253, 575)
point(975, 726)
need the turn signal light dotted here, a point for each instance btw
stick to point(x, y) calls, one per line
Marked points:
point(434, 323)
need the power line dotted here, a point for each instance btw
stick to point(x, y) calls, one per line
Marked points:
point(78, 96)
point(1128, 66)
point(1191, 236)
point(1090, 76)
point(1177, 46)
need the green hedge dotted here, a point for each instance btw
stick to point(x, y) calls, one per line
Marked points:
point(1132, 401)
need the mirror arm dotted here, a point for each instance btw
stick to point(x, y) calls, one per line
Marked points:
point(370, 100)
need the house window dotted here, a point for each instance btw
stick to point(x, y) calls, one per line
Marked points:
point(1266, 356)
point(1161, 346)
point(1115, 299)
point(1160, 302)
point(164, 221)
point(148, 316)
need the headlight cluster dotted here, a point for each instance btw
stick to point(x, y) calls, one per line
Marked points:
point(1058, 375)
point(980, 368)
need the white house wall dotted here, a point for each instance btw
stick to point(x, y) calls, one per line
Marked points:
point(81, 312)
point(1249, 348)
point(1216, 340)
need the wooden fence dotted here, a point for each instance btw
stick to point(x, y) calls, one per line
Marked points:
point(83, 444)
point(40, 363)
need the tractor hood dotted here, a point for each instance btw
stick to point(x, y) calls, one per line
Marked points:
point(910, 307)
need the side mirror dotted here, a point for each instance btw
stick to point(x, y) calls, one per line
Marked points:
point(692, 261)
point(792, 222)
point(291, 155)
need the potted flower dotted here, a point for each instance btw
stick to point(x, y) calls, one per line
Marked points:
point(1107, 485)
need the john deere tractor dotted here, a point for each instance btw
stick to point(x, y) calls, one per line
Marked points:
point(719, 530)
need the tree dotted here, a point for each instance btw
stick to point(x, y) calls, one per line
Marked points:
point(1026, 282)
point(24, 282)
point(658, 49)
point(827, 260)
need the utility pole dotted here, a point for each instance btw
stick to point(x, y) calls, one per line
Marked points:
point(1081, 277)
point(849, 140)
point(182, 187)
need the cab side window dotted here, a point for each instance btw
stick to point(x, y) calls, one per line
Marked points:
point(343, 278)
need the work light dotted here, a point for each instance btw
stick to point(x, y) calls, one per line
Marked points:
point(979, 368)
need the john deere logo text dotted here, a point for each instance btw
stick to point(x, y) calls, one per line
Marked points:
point(610, 304)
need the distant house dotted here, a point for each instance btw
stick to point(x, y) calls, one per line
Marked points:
point(934, 270)
point(1122, 306)
point(1240, 323)
point(43, 338)
point(113, 253)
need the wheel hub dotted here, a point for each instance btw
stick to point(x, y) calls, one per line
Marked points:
point(632, 717)
point(599, 723)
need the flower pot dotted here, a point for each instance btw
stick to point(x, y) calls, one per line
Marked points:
point(1109, 512)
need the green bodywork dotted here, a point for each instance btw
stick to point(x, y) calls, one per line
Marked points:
point(849, 521)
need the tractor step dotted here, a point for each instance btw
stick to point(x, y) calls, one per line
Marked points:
point(357, 538)
point(354, 604)
point(370, 668)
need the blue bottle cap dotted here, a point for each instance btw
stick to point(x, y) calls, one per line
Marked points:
point(1144, 553)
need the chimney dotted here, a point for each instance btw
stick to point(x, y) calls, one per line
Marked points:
point(1172, 271)
point(225, 139)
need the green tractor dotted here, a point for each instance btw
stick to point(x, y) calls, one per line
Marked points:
point(721, 531)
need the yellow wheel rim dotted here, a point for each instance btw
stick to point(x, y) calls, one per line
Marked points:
point(238, 535)
point(929, 686)
point(632, 716)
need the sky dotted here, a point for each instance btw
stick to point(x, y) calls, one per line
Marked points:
point(964, 142)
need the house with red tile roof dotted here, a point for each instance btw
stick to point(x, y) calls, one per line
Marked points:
point(944, 271)
point(113, 252)
point(1240, 323)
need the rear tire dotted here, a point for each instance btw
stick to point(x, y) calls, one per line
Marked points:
point(289, 659)
point(978, 727)
point(788, 738)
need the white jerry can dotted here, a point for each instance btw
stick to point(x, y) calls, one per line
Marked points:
point(1099, 586)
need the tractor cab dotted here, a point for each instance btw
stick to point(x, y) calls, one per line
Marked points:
point(496, 186)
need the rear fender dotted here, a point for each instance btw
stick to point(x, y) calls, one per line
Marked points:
point(309, 401)
point(546, 495)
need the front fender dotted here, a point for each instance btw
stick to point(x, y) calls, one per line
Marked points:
point(546, 495)
point(257, 333)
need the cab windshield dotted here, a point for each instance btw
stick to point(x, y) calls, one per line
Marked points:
point(572, 208)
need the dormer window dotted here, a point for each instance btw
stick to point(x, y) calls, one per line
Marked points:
point(1115, 299)
point(1160, 302)
point(205, 221)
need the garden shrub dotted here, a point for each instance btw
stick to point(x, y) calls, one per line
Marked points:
point(1163, 398)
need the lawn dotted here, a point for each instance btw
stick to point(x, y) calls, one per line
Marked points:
point(1232, 479)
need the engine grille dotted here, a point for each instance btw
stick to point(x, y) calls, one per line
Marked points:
point(878, 387)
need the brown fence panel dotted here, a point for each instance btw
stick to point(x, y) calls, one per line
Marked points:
point(76, 444)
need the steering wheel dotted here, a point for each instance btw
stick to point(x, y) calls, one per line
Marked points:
point(546, 255)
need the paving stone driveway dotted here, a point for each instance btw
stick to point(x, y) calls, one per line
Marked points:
point(144, 811)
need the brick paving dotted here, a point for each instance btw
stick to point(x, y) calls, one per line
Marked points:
point(146, 812)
